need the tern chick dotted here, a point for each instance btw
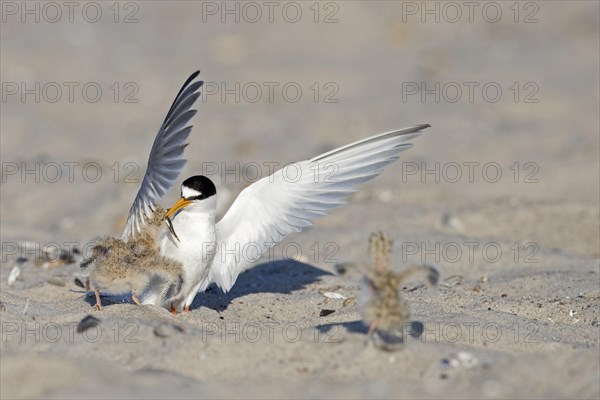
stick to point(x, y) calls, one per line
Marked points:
point(384, 310)
point(135, 266)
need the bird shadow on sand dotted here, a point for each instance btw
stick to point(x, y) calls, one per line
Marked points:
point(281, 276)
point(414, 328)
point(108, 299)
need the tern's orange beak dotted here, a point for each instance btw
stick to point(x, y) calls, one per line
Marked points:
point(178, 206)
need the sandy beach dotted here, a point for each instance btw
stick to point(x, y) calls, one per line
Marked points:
point(501, 194)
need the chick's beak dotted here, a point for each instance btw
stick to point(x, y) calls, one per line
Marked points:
point(177, 206)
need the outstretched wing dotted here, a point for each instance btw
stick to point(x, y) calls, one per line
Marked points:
point(166, 157)
point(291, 198)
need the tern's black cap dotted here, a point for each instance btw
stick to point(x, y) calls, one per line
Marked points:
point(200, 188)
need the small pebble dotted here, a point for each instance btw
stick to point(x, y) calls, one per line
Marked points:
point(450, 221)
point(325, 312)
point(416, 329)
point(453, 280)
point(2, 307)
point(349, 301)
point(14, 274)
point(334, 295)
point(88, 322)
point(51, 252)
point(467, 360)
point(342, 268)
point(53, 256)
point(166, 330)
point(461, 359)
point(79, 282)
point(56, 281)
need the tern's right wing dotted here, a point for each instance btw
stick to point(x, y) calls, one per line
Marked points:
point(166, 157)
point(291, 198)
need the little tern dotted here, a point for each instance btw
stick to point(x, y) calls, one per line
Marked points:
point(287, 201)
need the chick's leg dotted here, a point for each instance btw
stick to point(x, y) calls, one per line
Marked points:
point(372, 327)
point(186, 309)
point(98, 301)
point(135, 299)
point(173, 310)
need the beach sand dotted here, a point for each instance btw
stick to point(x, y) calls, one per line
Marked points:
point(501, 194)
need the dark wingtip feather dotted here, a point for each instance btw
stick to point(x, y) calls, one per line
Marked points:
point(421, 127)
point(191, 77)
point(187, 82)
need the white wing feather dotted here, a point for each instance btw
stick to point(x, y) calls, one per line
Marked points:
point(291, 198)
point(166, 157)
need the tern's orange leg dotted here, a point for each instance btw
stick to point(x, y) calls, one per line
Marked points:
point(186, 309)
point(98, 301)
point(135, 299)
point(173, 310)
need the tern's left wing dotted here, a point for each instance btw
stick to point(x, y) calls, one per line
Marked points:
point(166, 157)
point(291, 198)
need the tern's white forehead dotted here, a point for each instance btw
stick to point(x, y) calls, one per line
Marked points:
point(187, 192)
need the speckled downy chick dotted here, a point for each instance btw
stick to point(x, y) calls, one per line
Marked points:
point(135, 266)
point(384, 310)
